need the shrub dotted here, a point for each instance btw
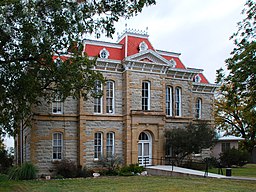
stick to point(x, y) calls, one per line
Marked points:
point(110, 165)
point(131, 169)
point(3, 177)
point(84, 172)
point(6, 160)
point(234, 157)
point(66, 168)
point(26, 172)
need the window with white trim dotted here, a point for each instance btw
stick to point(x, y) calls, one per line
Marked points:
point(197, 79)
point(98, 144)
point(97, 97)
point(145, 95)
point(178, 101)
point(199, 108)
point(110, 144)
point(104, 54)
point(57, 145)
point(110, 99)
point(168, 101)
point(57, 105)
point(225, 146)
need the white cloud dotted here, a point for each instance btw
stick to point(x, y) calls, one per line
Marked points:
point(198, 29)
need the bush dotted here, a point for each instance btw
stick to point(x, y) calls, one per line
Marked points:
point(6, 160)
point(66, 168)
point(26, 172)
point(234, 157)
point(110, 165)
point(131, 169)
point(84, 172)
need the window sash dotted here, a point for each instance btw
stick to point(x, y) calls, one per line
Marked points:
point(57, 105)
point(110, 97)
point(145, 95)
point(178, 101)
point(168, 102)
point(57, 143)
point(198, 108)
point(110, 144)
point(97, 100)
point(97, 145)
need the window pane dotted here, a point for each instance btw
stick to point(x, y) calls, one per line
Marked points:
point(140, 149)
point(146, 149)
point(145, 95)
point(57, 146)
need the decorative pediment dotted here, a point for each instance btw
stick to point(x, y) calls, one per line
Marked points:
point(150, 56)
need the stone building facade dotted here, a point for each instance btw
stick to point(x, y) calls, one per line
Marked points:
point(147, 92)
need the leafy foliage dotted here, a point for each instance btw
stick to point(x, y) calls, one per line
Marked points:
point(111, 164)
point(130, 170)
point(36, 31)
point(26, 171)
point(234, 157)
point(192, 139)
point(6, 159)
point(66, 168)
point(235, 105)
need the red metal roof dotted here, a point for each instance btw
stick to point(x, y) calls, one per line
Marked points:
point(94, 50)
point(179, 64)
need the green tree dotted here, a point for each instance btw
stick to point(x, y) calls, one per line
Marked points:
point(35, 31)
point(192, 139)
point(235, 103)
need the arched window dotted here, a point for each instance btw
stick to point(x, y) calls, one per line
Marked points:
point(97, 97)
point(110, 97)
point(57, 105)
point(145, 95)
point(168, 101)
point(57, 145)
point(98, 144)
point(199, 108)
point(178, 101)
point(104, 54)
point(197, 79)
point(110, 144)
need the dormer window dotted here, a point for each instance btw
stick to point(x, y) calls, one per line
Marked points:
point(197, 79)
point(104, 54)
point(173, 62)
point(143, 46)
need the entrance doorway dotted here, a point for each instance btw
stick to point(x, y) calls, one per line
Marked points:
point(145, 149)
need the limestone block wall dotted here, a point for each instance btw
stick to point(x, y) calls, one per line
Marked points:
point(207, 105)
point(69, 107)
point(186, 95)
point(118, 98)
point(104, 127)
point(43, 131)
point(134, 82)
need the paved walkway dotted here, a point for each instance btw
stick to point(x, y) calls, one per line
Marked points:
point(169, 170)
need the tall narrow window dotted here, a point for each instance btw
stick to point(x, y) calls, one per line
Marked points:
point(57, 105)
point(199, 108)
point(168, 101)
point(97, 97)
point(110, 92)
point(145, 95)
point(57, 143)
point(98, 145)
point(110, 144)
point(178, 101)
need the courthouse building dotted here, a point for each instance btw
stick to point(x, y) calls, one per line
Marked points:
point(147, 91)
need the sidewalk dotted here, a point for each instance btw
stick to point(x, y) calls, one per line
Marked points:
point(179, 171)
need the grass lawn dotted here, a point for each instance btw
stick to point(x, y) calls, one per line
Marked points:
point(248, 170)
point(132, 183)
